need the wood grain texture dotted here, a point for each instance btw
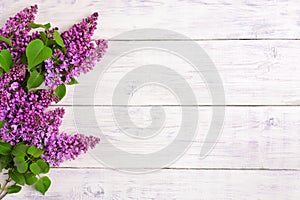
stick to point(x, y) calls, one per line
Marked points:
point(253, 73)
point(95, 184)
point(252, 137)
point(255, 48)
point(202, 19)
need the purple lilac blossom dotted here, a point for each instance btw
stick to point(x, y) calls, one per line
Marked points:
point(82, 53)
point(26, 113)
point(17, 29)
point(28, 121)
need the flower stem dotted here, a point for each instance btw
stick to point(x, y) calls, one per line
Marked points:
point(3, 190)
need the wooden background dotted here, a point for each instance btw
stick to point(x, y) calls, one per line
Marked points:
point(255, 47)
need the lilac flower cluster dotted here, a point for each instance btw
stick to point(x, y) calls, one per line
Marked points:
point(17, 28)
point(82, 53)
point(28, 121)
point(26, 113)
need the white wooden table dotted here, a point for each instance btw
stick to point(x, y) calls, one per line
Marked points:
point(255, 47)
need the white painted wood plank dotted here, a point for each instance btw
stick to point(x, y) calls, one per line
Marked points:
point(252, 137)
point(204, 19)
point(253, 73)
point(169, 184)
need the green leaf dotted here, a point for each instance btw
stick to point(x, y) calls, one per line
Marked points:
point(35, 169)
point(45, 26)
point(5, 161)
point(5, 158)
point(40, 166)
point(50, 43)
point(2, 122)
point(35, 152)
point(58, 39)
point(5, 60)
point(35, 80)
point(17, 177)
point(45, 167)
point(30, 179)
point(13, 189)
point(44, 37)
point(5, 148)
point(21, 164)
point(6, 40)
point(61, 91)
point(73, 81)
point(37, 52)
point(20, 150)
point(43, 184)
point(23, 59)
point(1, 166)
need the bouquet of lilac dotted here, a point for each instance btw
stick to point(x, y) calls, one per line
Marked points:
point(30, 140)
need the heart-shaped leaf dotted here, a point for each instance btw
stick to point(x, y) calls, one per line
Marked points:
point(35, 80)
point(30, 179)
point(45, 167)
point(58, 39)
point(37, 52)
point(60, 91)
point(13, 189)
point(20, 150)
point(35, 152)
point(21, 164)
point(40, 166)
point(5, 60)
point(35, 168)
point(17, 177)
point(5, 148)
point(43, 184)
